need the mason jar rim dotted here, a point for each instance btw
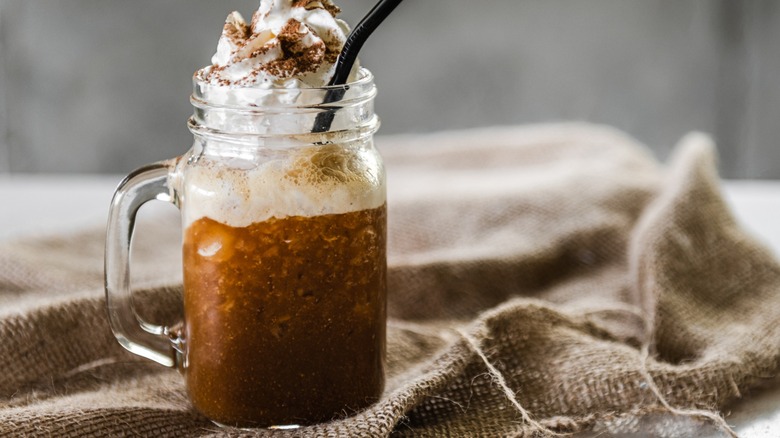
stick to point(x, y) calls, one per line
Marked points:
point(311, 97)
point(242, 114)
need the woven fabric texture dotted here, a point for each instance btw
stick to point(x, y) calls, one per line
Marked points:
point(544, 279)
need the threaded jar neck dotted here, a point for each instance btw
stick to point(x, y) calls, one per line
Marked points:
point(247, 115)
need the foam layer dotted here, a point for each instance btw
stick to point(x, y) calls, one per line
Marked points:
point(313, 181)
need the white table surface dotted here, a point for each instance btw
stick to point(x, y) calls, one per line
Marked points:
point(37, 205)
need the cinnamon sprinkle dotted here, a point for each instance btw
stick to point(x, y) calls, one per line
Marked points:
point(295, 59)
point(235, 28)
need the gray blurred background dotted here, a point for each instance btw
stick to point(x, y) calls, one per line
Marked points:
point(102, 86)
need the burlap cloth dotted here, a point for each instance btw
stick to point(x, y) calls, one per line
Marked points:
point(550, 278)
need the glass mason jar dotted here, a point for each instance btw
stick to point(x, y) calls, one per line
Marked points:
point(284, 255)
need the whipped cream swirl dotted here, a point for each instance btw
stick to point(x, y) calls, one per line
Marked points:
point(287, 44)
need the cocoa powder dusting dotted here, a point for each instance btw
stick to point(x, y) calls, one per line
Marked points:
point(300, 53)
point(255, 18)
point(297, 58)
point(236, 30)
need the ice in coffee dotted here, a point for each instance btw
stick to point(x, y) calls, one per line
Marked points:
point(284, 240)
point(284, 286)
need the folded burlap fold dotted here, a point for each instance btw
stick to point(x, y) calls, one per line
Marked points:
point(542, 279)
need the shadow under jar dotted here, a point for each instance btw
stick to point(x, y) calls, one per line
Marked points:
point(284, 256)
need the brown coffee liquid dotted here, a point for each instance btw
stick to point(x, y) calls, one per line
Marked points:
point(285, 319)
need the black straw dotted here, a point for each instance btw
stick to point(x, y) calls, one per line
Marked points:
point(347, 58)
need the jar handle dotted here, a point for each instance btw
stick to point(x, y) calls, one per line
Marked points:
point(154, 342)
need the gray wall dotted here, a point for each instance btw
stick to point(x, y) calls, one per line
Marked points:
point(99, 86)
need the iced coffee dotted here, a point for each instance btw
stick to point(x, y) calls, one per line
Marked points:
point(284, 230)
point(285, 309)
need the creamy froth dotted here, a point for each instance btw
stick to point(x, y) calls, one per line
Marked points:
point(287, 44)
point(310, 182)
